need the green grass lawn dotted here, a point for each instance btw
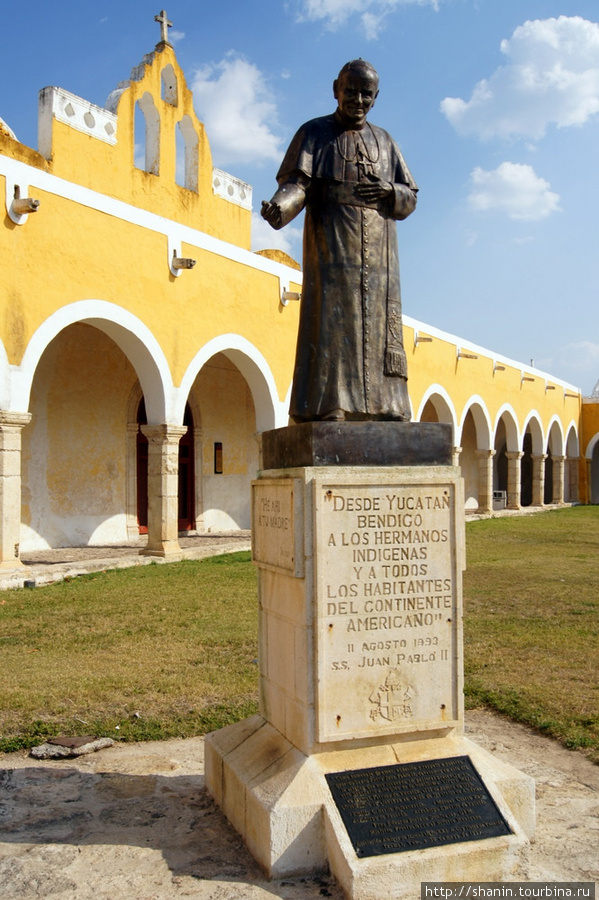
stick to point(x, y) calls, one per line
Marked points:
point(170, 650)
point(531, 621)
point(145, 653)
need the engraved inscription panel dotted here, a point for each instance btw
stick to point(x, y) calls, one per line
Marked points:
point(391, 809)
point(387, 608)
point(273, 525)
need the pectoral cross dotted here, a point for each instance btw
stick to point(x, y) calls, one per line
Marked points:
point(164, 25)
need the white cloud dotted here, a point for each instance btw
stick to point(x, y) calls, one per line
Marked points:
point(288, 239)
point(335, 13)
point(577, 362)
point(583, 355)
point(551, 78)
point(175, 36)
point(234, 102)
point(514, 189)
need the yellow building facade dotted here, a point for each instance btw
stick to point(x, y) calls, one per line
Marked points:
point(145, 347)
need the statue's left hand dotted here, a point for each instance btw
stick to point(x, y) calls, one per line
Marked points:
point(272, 213)
point(374, 190)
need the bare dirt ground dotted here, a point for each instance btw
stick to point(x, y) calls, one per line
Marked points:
point(135, 821)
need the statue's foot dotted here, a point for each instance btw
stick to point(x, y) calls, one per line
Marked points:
point(335, 415)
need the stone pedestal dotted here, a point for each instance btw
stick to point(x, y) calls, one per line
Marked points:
point(360, 570)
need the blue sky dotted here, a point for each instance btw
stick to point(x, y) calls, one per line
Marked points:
point(494, 103)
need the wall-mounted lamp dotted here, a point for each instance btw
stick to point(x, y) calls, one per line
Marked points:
point(20, 207)
point(422, 339)
point(498, 368)
point(23, 207)
point(286, 296)
point(182, 262)
point(463, 355)
point(528, 378)
point(176, 261)
point(549, 387)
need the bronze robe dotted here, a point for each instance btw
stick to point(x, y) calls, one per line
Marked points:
point(350, 353)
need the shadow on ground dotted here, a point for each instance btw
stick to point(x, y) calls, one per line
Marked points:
point(58, 818)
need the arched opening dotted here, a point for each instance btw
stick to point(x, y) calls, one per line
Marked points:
point(229, 450)
point(555, 450)
point(571, 486)
point(469, 462)
point(500, 464)
point(429, 412)
point(186, 493)
point(187, 154)
point(169, 91)
point(147, 135)
point(74, 468)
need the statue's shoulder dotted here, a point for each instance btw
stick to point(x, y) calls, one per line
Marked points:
point(316, 127)
point(380, 133)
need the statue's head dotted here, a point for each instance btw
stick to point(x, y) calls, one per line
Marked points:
point(355, 89)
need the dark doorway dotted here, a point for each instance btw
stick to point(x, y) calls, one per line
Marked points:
point(187, 475)
point(142, 470)
point(526, 471)
point(186, 497)
point(502, 469)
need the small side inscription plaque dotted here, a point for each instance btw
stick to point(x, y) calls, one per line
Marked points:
point(274, 526)
point(409, 806)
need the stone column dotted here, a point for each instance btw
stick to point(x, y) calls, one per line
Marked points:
point(11, 425)
point(163, 488)
point(559, 466)
point(485, 480)
point(573, 463)
point(455, 455)
point(514, 478)
point(538, 479)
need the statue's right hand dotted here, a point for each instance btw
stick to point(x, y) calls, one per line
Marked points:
point(272, 213)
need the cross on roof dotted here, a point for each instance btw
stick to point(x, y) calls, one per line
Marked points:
point(164, 25)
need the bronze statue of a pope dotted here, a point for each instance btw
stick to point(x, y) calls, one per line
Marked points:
point(353, 183)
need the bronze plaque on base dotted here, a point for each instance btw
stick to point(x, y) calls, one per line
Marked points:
point(410, 806)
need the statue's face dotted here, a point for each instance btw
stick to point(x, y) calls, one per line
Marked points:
point(355, 97)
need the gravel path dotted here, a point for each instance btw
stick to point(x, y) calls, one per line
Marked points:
point(45, 566)
point(135, 821)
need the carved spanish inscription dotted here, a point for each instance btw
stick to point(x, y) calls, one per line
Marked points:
point(387, 606)
point(391, 809)
point(276, 535)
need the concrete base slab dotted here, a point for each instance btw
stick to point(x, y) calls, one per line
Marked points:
point(277, 798)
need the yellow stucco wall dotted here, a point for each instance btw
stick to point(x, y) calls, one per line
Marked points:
point(497, 382)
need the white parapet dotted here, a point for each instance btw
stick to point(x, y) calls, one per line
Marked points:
point(56, 103)
point(230, 188)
